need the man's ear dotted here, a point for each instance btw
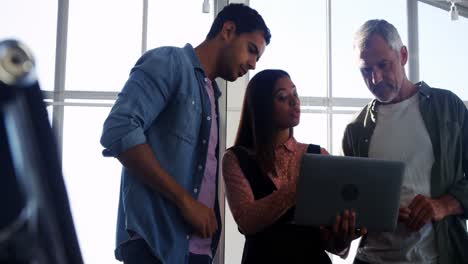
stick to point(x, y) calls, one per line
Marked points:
point(228, 30)
point(403, 55)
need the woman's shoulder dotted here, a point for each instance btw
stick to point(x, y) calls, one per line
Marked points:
point(302, 146)
point(312, 148)
point(307, 147)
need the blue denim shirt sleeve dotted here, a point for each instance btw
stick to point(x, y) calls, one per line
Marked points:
point(143, 97)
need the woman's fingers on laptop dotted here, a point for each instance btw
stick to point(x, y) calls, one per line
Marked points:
point(354, 230)
point(345, 226)
point(345, 222)
point(343, 231)
point(337, 224)
point(352, 224)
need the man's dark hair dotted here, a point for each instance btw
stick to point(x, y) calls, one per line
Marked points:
point(246, 19)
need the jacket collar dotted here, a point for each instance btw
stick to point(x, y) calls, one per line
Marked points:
point(424, 91)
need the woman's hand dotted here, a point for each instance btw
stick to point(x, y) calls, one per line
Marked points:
point(343, 231)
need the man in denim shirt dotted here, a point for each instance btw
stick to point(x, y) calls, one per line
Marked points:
point(427, 128)
point(163, 128)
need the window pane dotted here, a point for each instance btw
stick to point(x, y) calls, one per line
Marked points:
point(339, 121)
point(92, 183)
point(443, 50)
point(234, 241)
point(50, 113)
point(346, 78)
point(312, 129)
point(104, 42)
point(35, 24)
point(298, 42)
point(165, 26)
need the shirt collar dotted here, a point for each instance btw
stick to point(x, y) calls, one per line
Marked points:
point(190, 52)
point(424, 90)
point(289, 144)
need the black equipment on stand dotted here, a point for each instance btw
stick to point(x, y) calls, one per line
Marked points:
point(36, 226)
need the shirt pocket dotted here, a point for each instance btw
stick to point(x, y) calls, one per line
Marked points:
point(185, 116)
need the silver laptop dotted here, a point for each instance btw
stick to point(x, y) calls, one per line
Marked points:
point(329, 184)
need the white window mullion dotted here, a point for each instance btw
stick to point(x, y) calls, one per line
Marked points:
point(144, 28)
point(60, 69)
point(329, 78)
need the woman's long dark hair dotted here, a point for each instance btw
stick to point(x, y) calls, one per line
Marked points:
point(257, 128)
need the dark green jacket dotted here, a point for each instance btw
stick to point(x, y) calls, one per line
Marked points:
point(446, 120)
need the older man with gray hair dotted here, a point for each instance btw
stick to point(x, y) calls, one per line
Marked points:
point(427, 128)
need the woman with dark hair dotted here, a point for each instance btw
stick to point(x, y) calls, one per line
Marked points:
point(261, 171)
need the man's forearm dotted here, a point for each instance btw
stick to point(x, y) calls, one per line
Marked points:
point(142, 162)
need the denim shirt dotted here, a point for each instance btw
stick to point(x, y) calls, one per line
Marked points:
point(446, 119)
point(164, 103)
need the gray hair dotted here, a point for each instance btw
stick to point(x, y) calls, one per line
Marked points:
point(380, 27)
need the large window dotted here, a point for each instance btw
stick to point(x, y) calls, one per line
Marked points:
point(101, 50)
point(103, 43)
point(443, 59)
point(190, 25)
point(298, 43)
point(312, 40)
point(21, 20)
point(346, 78)
point(92, 182)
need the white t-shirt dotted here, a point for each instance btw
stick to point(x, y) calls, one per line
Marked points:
point(400, 134)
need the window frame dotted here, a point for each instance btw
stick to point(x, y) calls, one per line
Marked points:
point(59, 97)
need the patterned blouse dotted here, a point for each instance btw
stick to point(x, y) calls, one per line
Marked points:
point(254, 215)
